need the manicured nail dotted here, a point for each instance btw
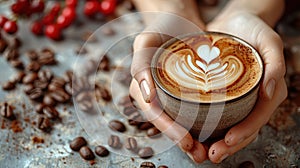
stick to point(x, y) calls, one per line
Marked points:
point(145, 89)
point(223, 157)
point(270, 88)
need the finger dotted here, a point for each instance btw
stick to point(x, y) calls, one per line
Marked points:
point(219, 150)
point(163, 122)
point(258, 117)
point(198, 153)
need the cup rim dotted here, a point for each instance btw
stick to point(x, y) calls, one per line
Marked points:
point(173, 39)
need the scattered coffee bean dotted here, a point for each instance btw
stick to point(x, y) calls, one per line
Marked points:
point(6, 111)
point(90, 67)
point(81, 50)
point(12, 54)
point(29, 78)
point(48, 100)
point(9, 85)
point(135, 119)
point(145, 126)
point(101, 151)
point(56, 83)
point(89, 37)
point(162, 166)
point(117, 126)
point(107, 30)
point(45, 75)
point(247, 164)
point(36, 94)
point(77, 143)
point(47, 57)
point(32, 55)
point(104, 64)
point(3, 45)
point(33, 66)
point(147, 165)
point(114, 142)
point(153, 132)
point(68, 76)
point(86, 153)
point(39, 108)
point(131, 144)
point(16, 63)
point(86, 105)
point(129, 110)
point(50, 112)
point(68, 88)
point(18, 77)
point(145, 152)
point(44, 124)
point(16, 43)
point(60, 96)
point(41, 84)
point(80, 84)
point(103, 93)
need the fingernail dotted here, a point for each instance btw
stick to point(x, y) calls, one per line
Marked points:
point(223, 157)
point(191, 156)
point(270, 88)
point(145, 89)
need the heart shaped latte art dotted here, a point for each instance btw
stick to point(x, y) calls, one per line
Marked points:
point(205, 70)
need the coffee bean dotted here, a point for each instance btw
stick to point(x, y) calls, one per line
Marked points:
point(107, 30)
point(6, 111)
point(36, 94)
point(114, 142)
point(86, 153)
point(33, 66)
point(129, 110)
point(145, 152)
point(80, 84)
point(162, 166)
point(77, 143)
point(12, 54)
point(103, 93)
point(45, 75)
point(29, 78)
point(101, 151)
point(86, 106)
point(28, 88)
point(41, 84)
point(145, 126)
point(56, 83)
point(3, 45)
point(48, 100)
point(9, 85)
point(81, 50)
point(16, 43)
point(18, 77)
point(135, 119)
point(39, 108)
point(131, 144)
point(47, 57)
point(104, 64)
point(153, 132)
point(147, 165)
point(117, 126)
point(247, 164)
point(90, 67)
point(16, 63)
point(44, 124)
point(68, 88)
point(50, 112)
point(32, 55)
point(68, 76)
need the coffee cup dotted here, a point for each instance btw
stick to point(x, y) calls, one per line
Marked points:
point(207, 81)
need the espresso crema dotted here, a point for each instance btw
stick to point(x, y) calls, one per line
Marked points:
point(207, 68)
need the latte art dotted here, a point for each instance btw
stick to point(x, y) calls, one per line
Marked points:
point(207, 68)
point(205, 71)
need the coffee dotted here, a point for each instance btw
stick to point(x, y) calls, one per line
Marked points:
point(208, 68)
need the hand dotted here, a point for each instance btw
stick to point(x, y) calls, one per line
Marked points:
point(273, 87)
point(142, 89)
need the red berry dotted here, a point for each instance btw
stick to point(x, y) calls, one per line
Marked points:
point(55, 9)
point(37, 6)
point(108, 6)
point(69, 13)
point(63, 22)
point(53, 32)
point(10, 27)
point(37, 28)
point(71, 3)
point(48, 19)
point(17, 8)
point(3, 19)
point(91, 8)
